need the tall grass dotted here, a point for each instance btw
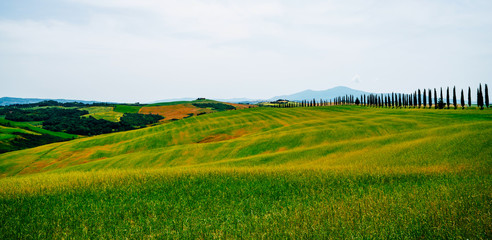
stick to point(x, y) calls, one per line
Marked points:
point(303, 173)
point(246, 203)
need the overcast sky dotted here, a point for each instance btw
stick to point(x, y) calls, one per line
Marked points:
point(146, 50)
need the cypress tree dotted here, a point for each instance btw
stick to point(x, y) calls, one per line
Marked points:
point(469, 97)
point(462, 100)
point(419, 98)
point(435, 99)
point(486, 96)
point(415, 103)
point(447, 97)
point(399, 100)
point(481, 97)
point(392, 99)
point(424, 98)
point(454, 98)
point(478, 97)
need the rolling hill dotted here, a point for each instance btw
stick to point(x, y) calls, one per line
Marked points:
point(17, 135)
point(321, 137)
point(177, 110)
point(304, 173)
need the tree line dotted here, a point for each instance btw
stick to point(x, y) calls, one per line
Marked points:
point(425, 98)
point(91, 126)
point(72, 121)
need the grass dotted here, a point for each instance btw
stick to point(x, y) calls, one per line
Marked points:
point(21, 135)
point(28, 126)
point(127, 108)
point(301, 173)
point(106, 113)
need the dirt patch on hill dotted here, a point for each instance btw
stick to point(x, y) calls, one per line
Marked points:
point(174, 112)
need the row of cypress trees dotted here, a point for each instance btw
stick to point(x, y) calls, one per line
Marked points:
point(420, 98)
point(425, 98)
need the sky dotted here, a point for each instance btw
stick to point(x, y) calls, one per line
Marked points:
point(148, 50)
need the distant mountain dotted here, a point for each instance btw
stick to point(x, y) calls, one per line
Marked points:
point(323, 94)
point(4, 101)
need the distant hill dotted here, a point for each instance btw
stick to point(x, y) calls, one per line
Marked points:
point(4, 101)
point(230, 100)
point(177, 110)
point(323, 94)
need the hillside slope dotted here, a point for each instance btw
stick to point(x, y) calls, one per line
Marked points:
point(21, 135)
point(262, 173)
point(326, 137)
point(172, 111)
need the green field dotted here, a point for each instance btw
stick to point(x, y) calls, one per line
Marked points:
point(21, 135)
point(30, 127)
point(300, 173)
point(127, 108)
point(105, 113)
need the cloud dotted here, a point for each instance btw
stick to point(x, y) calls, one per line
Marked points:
point(229, 48)
point(356, 78)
